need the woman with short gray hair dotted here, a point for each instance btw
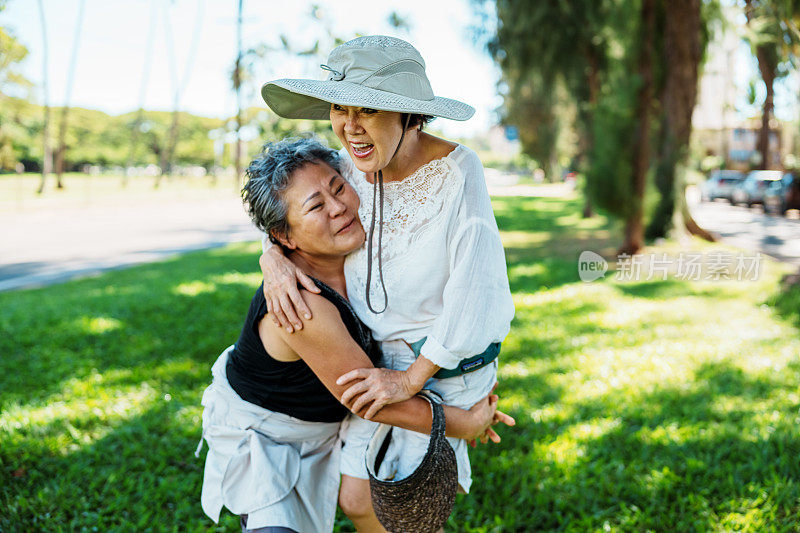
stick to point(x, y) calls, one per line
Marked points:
point(269, 175)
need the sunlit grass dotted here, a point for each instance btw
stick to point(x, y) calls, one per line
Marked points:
point(653, 405)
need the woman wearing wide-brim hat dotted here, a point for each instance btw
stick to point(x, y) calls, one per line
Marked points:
point(431, 281)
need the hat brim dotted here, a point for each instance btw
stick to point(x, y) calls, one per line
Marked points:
point(312, 99)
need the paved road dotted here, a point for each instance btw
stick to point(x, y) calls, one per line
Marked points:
point(51, 245)
point(750, 228)
point(47, 246)
point(56, 242)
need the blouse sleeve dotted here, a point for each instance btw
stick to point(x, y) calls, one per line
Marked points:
point(477, 303)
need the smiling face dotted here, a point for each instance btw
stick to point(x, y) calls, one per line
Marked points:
point(322, 213)
point(371, 136)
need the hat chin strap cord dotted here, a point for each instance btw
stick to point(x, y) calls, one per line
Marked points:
point(377, 190)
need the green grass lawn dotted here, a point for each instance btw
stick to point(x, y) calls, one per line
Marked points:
point(653, 405)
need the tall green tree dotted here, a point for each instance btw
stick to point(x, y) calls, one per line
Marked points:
point(47, 155)
point(601, 55)
point(62, 127)
point(630, 69)
point(544, 71)
point(12, 54)
point(774, 37)
point(766, 37)
point(685, 36)
point(237, 87)
point(178, 85)
point(398, 22)
point(624, 123)
point(144, 80)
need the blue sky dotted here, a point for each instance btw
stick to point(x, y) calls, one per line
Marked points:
point(111, 57)
point(113, 48)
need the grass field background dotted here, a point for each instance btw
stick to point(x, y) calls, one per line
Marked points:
point(652, 405)
point(18, 191)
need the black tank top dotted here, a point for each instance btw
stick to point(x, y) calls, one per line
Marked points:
point(292, 387)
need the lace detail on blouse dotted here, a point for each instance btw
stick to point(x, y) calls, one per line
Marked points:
point(411, 209)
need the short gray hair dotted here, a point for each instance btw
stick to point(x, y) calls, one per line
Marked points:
point(270, 174)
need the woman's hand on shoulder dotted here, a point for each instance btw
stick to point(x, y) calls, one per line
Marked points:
point(284, 301)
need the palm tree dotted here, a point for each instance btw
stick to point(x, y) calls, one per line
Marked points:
point(237, 86)
point(62, 129)
point(765, 36)
point(137, 123)
point(168, 152)
point(47, 159)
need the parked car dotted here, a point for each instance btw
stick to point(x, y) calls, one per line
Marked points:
point(719, 185)
point(750, 191)
point(783, 195)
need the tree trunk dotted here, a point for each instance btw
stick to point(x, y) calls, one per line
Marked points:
point(62, 148)
point(47, 159)
point(690, 224)
point(634, 221)
point(137, 125)
point(62, 128)
point(168, 153)
point(47, 156)
point(682, 54)
point(587, 211)
point(767, 65)
point(237, 83)
point(593, 82)
point(767, 68)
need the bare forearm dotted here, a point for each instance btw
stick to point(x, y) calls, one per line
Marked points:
point(420, 371)
point(415, 414)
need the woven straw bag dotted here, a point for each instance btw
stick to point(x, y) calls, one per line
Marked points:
point(423, 501)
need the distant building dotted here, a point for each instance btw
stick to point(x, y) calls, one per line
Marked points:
point(503, 141)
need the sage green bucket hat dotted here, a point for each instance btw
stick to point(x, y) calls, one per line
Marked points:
point(377, 72)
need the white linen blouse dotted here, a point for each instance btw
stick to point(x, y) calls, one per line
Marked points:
point(443, 262)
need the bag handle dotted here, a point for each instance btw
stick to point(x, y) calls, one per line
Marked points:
point(438, 424)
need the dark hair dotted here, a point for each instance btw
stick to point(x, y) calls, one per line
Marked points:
point(416, 120)
point(270, 174)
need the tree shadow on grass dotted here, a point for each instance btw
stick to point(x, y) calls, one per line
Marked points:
point(787, 304)
point(140, 475)
point(135, 320)
point(679, 458)
point(672, 288)
point(720, 392)
point(667, 460)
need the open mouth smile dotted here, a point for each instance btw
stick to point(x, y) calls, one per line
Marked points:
point(361, 149)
